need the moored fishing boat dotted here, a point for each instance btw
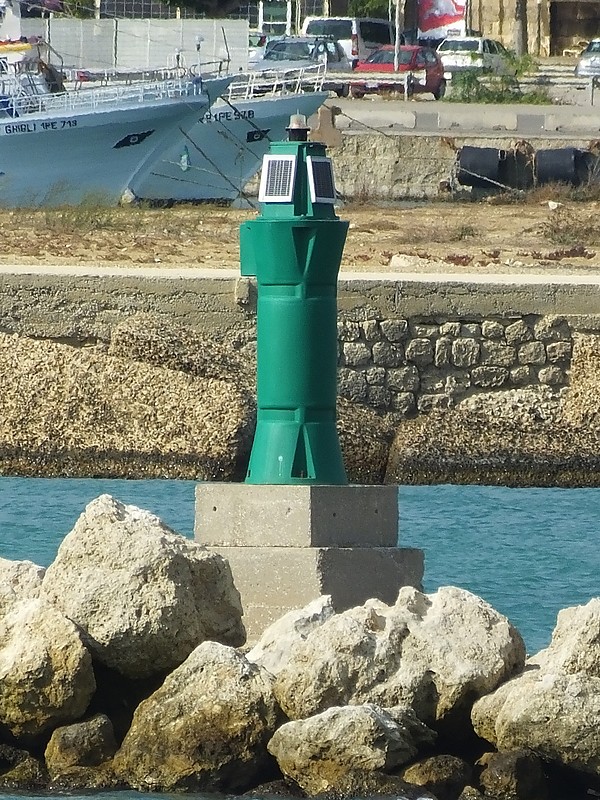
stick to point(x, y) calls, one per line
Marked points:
point(209, 154)
point(59, 147)
point(224, 150)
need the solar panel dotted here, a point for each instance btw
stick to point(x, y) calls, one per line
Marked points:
point(320, 179)
point(277, 179)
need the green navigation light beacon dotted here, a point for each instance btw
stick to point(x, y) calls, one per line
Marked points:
point(294, 249)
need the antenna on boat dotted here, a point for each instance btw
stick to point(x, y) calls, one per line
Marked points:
point(199, 40)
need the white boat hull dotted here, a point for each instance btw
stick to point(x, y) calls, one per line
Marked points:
point(224, 150)
point(76, 156)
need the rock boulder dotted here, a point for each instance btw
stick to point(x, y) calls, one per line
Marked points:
point(337, 750)
point(83, 744)
point(19, 580)
point(46, 674)
point(143, 596)
point(445, 776)
point(436, 653)
point(205, 729)
point(513, 775)
point(275, 645)
point(553, 707)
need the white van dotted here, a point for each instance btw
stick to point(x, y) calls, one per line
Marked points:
point(359, 36)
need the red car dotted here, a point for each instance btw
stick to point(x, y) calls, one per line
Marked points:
point(424, 65)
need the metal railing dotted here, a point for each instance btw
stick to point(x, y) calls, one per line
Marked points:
point(292, 81)
point(361, 83)
point(17, 100)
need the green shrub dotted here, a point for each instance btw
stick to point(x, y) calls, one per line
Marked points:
point(476, 86)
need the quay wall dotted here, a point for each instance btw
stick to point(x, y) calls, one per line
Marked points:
point(396, 163)
point(406, 344)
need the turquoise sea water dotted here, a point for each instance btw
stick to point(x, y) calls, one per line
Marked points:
point(528, 552)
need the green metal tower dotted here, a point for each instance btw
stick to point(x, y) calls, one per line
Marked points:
point(294, 248)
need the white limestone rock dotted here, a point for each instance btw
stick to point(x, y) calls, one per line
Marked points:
point(337, 750)
point(435, 653)
point(273, 648)
point(556, 716)
point(575, 644)
point(468, 646)
point(205, 729)
point(143, 595)
point(19, 580)
point(553, 707)
point(46, 674)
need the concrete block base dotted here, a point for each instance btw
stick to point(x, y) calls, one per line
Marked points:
point(320, 549)
point(244, 515)
point(275, 580)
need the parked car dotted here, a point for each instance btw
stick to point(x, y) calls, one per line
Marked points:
point(460, 53)
point(588, 65)
point(359, 36)
point(415, 36)
point(256, 44)
point(298, 52)
point(422, 64)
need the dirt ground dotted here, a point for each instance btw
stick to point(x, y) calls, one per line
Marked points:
point(535, 236)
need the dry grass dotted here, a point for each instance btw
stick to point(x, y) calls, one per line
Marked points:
point(571, 228)
point(94, 216)
point(434, 231)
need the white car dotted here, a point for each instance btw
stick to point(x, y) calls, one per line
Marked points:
point(460, 53)
point(588, 65)
point(256, 46)
point(287, 53)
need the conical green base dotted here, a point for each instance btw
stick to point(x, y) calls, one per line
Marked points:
point(296, 453)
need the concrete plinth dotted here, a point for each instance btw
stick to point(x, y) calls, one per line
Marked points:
point(288, 545)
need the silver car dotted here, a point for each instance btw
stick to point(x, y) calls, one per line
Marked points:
point(298, 52)
point(588, 65)
point(461, 53)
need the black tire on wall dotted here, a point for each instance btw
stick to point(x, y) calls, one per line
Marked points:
point(563, 165)
point(479, 166)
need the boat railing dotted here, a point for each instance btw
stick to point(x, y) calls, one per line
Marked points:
point(18, 100)
point(291, 81)
point(84, 78)
point(80, 78)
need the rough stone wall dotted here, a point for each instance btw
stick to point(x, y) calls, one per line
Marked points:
point(496, 18)
point(411, 366)
point(404, 166)
point(406, 347)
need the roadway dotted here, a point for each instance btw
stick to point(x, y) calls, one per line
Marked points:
point(447, 274)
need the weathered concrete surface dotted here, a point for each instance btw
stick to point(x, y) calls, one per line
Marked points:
point(288, 545)
point(544, 123)
point(75, 305)
point(296, 516)
point(273, 580)
point(399, 151)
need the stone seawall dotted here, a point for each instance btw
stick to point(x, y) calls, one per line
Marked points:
point(441, 377)
point(414, 365)
point(394, 165)
point(405, 345)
